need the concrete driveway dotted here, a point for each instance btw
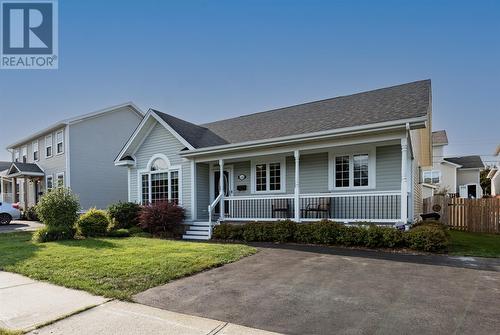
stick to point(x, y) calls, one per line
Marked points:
point(18, 225)
point(314, 290)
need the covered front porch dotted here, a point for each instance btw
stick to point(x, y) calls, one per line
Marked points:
point(365, 182)
point(22, 183)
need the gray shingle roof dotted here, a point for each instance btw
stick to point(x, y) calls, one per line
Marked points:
point(5, 165)
point(197, 136)
point(386, 104)
point(467, 162)
point(23, 168)
point(439, 137)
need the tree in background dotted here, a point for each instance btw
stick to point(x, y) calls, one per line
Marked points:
point(485, 182)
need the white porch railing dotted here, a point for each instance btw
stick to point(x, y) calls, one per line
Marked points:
point(211, 208)
point(272, 207)
point(343, 207)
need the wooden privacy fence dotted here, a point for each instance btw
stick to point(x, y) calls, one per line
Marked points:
point(474, 215)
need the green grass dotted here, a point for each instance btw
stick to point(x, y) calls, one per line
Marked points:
point(112, 267)
point(474, 244)
point(4, 331)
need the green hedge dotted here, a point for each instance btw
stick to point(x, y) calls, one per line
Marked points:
point(94, 222)
point(430, 236)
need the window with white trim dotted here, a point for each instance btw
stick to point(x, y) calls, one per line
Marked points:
point(160, 183)
point(268, 176)
point(24, 154)
point(432, 177)
point(16, 155)
point(60, 142)
point(48, 146)
point(60, 180)
point(49, 182)
point(36, 153)
point(353, 171)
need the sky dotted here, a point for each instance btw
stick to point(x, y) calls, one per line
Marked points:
point(209, 60)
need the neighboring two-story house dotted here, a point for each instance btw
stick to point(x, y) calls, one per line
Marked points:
point(452, 175)
point(76, 153)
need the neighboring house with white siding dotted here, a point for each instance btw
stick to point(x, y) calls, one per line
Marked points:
point(452, 175)
point(351, 158)
point(77, 153)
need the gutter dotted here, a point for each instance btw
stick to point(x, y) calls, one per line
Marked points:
point(413, 123)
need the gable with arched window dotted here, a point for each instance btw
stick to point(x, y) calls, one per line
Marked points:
point(160, 181)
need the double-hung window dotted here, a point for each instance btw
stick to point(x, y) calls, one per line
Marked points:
point(432, 177)
point(49, 182)
point(60, 142)
point(36, 154)
point(24, 154)
point(60, 180)
point(352, 171)
point(268, 176)
point(160, 183)
point(16, 155)
point(48, 146)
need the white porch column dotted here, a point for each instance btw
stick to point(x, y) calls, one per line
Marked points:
point(404, 180)
point(221, 189)
point(296, 206)
point(2, 190)
point(194, 211)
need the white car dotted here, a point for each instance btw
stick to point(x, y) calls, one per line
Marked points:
point(9, 212)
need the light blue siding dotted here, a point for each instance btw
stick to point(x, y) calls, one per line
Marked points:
point(389, 168)
point(202, 190)
point(161, 141)
point(94, 144)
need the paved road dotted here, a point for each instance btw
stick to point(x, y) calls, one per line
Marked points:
point(20, 226)
point(313, 290)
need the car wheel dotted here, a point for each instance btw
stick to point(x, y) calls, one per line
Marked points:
point(5, 218)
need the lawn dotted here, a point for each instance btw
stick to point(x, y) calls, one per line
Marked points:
point(112, 267)
point(474, 244)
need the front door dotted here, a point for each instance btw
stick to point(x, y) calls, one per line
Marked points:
point(216, 190)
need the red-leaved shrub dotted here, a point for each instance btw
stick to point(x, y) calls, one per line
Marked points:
point(163, 219)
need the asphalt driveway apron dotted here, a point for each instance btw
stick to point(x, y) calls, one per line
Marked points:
point(314, 290)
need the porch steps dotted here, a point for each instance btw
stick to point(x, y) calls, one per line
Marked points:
point(197, 231)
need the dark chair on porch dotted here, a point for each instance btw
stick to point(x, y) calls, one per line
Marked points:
point(280, 206)
point(320, 208)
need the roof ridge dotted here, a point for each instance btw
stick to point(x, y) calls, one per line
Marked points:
point(318, 101)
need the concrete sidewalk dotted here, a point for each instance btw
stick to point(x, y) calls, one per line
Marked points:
point(26, 304)
point(118, 317)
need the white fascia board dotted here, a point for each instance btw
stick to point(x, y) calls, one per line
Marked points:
point(452, 164)
point(132, 138)
point(170, 129)
point(416, 122)
point(150, 114)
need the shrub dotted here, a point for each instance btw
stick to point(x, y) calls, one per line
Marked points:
point(283, 231)
point(124, 214)
point(58, 208)
point(304, 233)
point(327, 232)
point(30, 214)
point(425, 237)
point(135, 230)
point(353, 235)
point(226, 231)
point(119, 233)
point(162, 219)
point(94, 222)
point(428, 238)
point(53, 233)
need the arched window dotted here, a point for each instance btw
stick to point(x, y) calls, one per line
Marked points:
point(160, 181)
point(159, 164)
